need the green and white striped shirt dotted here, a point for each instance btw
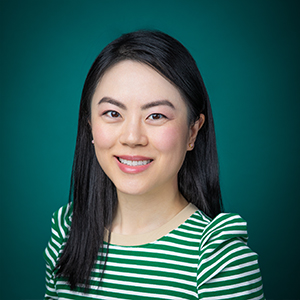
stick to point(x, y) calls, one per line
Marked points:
point(190, 257)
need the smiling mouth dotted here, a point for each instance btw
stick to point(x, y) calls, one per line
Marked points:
point(134, 163)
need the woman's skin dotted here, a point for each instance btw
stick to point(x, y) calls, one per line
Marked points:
point(141, 136)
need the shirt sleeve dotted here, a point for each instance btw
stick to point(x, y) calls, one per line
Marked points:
point(227, 267)
point(59, 232)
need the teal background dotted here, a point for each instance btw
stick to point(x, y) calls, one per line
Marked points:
point(248, 54)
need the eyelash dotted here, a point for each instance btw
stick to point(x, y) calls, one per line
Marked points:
point(110, 112)
point(161, 116)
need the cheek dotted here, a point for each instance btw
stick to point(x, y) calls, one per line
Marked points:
point(103, 141)
point(171, 139)
point(103, 138)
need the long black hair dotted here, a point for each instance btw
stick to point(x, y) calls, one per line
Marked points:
point(93, 194)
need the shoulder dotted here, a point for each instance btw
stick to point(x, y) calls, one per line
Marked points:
point(214, 232)
point(60, 228)
point(226, 264)
point(62, 218)
point(222, 228)
point(223, 239)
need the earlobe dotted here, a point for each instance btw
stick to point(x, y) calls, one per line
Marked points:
point(194, 131)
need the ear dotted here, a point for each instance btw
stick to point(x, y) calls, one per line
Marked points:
point(194, 129)
point(90, 123)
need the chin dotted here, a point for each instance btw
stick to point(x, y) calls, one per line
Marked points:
point(134, 190)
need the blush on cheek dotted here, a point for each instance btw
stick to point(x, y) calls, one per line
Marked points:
point(171, 138)
point(103, 138)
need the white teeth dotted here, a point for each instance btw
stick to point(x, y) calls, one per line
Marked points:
point(134, 163)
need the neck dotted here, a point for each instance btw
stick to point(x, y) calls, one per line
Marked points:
point(138, 214)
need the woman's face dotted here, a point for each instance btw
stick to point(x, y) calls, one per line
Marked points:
point(140, 129)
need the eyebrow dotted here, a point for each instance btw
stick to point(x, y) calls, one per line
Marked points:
point(144, 107)
point(157, 103)
point(112, 101)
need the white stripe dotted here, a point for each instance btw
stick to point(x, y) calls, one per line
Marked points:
point(120, 283)
point(183, 238)
point(258, 297)
point(52, 290)
point(197, 227)
point(59, 223)
point(191, 232)
point(218, 225)
point(54, 232)
point(91, 297)
point(53, 249)
point(196, 219)
point(210, 247)
point(231, 286)
point(240, 275)
point(199, 218)
point(56, 243)
point(233, 233)
point(231, 296)
point(204, 216)
point(149, 268)
point(48, 274)
point(156, 251)
point(152, 259)
point(65, 218)
point(50, 257)
point(247, 264)
point(124, 292)
point(223, 249)
point(164, 243)
point(235, 250)
point(221, 267)
point(151, 277)
point(178, 246)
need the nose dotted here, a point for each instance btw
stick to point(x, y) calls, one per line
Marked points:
point(133, 134)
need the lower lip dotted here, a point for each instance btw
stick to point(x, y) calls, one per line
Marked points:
point(132, 169)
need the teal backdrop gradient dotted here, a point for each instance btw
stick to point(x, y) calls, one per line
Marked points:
point(248, 54)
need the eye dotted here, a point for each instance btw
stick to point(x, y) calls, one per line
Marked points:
point(112, 114)
point(157, 116)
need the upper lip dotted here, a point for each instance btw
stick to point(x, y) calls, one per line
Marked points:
point(134, 157)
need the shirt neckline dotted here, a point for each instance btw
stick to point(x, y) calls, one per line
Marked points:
point(146, 238)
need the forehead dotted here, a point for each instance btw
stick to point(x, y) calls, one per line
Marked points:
point(131, 80)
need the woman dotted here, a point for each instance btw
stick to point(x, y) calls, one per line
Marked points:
point(144, 218)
